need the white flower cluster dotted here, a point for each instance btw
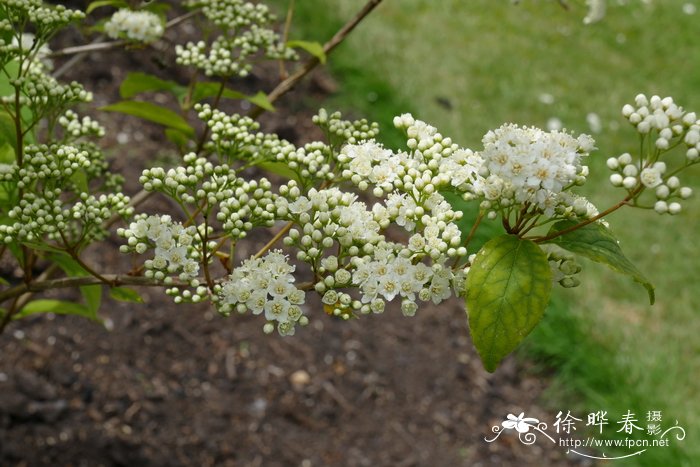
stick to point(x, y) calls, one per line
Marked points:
point(265, 285)
point(75, 127)
point(412, 180)
point(662, 125)
point(243, 35)
point(329, 217)
point(176, 248)
point(386, 276)
point(138, 26)
point(326, 216)
point(433, 162)
point(528, 166)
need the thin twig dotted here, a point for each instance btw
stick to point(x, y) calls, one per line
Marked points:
point(82, 49)
point(97, 46)
point(274, 240)
point(289, 83)
point(74, 60)
point(285, 37)
point(181, 18)
point(611, 209)
point(10, 313)
point(114, 280)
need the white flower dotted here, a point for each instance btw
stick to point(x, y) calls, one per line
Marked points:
point(651, 177)
point(141, 26)
point(266, 284)
point(277, 309)
point(530, 165)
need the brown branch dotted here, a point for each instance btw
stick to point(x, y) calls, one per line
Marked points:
point(115, 280)
point(289, 83)
point(82, 49)
point(611, 209)
point(10, 313)
point(99, 46)
point(285, 36)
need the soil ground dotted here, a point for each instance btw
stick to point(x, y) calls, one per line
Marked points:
point(166, 385)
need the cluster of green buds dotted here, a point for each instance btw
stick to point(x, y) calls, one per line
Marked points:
point(243, 33)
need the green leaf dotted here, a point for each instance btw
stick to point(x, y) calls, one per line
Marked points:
point(153, 113)
point(7, 153)
point(92, 294)
point(8, 134)
point(208, 89)
point(79, 177)
point(278, 168)
point(158, 8)
point(136, 83)
point(260, 99)
point(11, 70)
point(508, 288)
point(125, 294)
point(42, 247)
point(59, 307)
point(597, 243)
point(100, 3)
point(314, 48)
point(3, 281)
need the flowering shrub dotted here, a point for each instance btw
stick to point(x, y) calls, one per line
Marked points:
point(331, 202)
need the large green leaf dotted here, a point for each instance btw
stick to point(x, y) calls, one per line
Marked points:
point(596, 242)
point(508, 288)
point(153, 113)
point(136, 83)
point(56, 306)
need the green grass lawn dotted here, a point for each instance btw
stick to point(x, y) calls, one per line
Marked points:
point(468, 66)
